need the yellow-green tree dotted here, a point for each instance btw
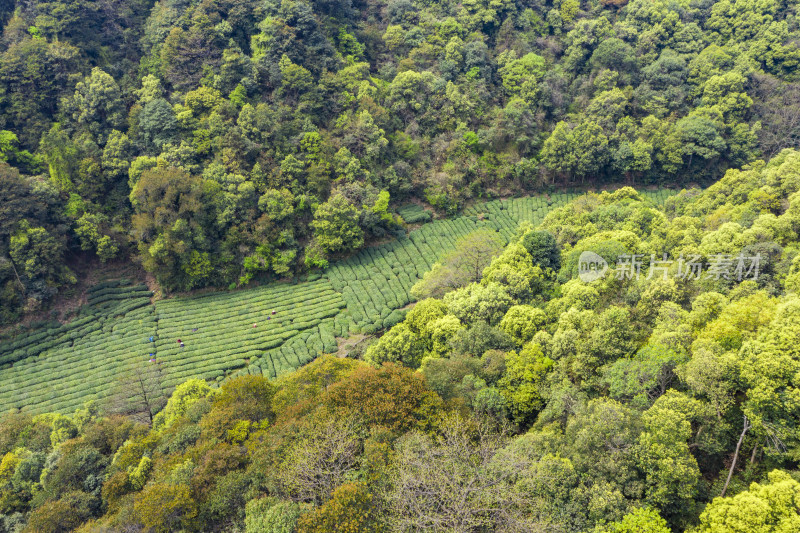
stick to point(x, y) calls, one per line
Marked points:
point(772, 507)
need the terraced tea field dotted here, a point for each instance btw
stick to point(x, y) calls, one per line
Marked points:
point(226, 331)
point(58, 367)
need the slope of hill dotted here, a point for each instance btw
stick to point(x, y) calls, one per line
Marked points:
point(232, 333)
point(221, 141)
point(528, 399)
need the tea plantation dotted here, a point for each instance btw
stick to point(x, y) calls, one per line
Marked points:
point(56, 368)
point(269, 330)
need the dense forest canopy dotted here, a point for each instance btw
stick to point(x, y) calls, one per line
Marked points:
point(222, 142)
point(219, 141)
point(521, 399)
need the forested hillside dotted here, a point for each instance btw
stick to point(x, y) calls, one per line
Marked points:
point(412, 322)
point(268, 330)
point(218, 141)
point(524, 398)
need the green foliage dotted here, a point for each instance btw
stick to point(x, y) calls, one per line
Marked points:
point(171, 210)
point(88, 231)
point(62, 430)
point(479, 302)
point(164, 507)
point(515, 272)
point(310, 380)
point(61, 515)
point(401, 344)
point(137, 477)
point(771, 506)
point(228, 143)
point(521, 322)
point(520, 76)
point(672, 472)
point(645, 376)
point(372, 283)
point(180, 401)
point(97, 105)
point(425, 312)
point(525, 372)
point(543, 249)
point(335, 226)
point(462, 266)
point(157, 123)
point(767, 369)
point(641, 520)
point(390, 397)
point(349, 509)
point(268, 515)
